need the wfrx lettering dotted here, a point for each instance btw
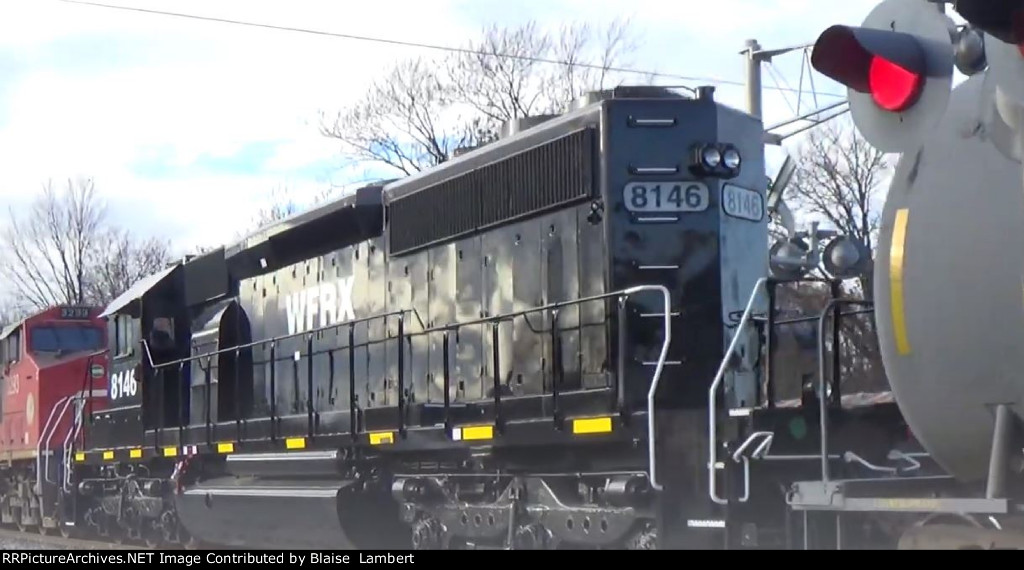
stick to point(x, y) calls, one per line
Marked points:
point(321, 305)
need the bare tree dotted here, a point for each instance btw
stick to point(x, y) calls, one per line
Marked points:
point(283, 204)
point(10, 312)
point(47, 249)
point(62, 250)
point(399, 121)
point(119, 260)
point(424, 109)
point(840, 181)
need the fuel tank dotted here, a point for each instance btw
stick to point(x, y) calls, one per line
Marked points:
point(949, 284)
point(293, 500)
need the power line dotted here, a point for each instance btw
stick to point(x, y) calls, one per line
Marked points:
point(417, 44)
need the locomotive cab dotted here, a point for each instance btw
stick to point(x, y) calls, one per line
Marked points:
point(145, 329)
point(53, 364)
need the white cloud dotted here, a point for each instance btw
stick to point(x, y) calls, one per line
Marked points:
point(186, 125)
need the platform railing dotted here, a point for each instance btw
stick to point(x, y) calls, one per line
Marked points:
point(403, 337)
point(823, 380)
point(58, 411)
point(72, 436)
point(743, 455)
point(43, 447)
point(759, 288)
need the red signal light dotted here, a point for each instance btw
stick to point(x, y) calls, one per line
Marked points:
point(892, 87)
point(898, 82)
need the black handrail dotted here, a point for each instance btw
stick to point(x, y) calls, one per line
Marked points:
point(404, 338)
point(822, 398)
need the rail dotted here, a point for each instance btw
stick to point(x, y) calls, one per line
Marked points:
point(759, 286)
point(403, 336)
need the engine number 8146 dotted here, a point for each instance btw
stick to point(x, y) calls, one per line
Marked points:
point(667, 197)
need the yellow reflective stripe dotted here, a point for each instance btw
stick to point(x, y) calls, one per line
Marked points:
point(592, 425)
point(896, 260)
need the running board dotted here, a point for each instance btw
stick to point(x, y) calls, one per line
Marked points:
point(296, 464)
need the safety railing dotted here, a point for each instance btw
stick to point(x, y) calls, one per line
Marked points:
point(43, 448)
point(272, 342)
point(402, 337)
point(57, 412)
point(741, 455)
point(759, 287)
point(72, 436)
point(823, 395)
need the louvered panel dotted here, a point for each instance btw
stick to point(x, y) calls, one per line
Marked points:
point(524, 184)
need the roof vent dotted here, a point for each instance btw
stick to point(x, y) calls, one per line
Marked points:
point(520, 124)
point(625, 92)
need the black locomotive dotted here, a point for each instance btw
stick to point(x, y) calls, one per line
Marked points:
point(513, 349)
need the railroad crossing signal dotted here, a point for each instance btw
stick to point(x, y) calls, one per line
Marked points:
point(898, 70)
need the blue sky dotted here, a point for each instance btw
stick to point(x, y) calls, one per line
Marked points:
point(187, 126)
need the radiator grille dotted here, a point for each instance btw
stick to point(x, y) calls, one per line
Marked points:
point(555, 174)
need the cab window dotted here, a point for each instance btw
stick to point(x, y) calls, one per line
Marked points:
point(10, 348)
point(122, 332)
point(65, 339)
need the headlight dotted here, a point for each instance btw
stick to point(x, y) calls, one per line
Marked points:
point(720, 160)
point(731, 158)
point(711, 157)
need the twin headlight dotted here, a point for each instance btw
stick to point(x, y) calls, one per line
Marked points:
point(722, 160)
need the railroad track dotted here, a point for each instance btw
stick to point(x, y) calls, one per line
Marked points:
point(11, 536)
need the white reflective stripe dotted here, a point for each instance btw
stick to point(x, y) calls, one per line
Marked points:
point(705, 524)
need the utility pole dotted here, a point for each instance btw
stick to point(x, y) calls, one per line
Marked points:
point(754, 95)
point(754, 56)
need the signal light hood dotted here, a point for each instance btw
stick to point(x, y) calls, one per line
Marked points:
point(897, 67)
point(848, 54)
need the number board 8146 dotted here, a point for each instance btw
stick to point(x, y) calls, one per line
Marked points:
point(666, 197)
point(742, 203)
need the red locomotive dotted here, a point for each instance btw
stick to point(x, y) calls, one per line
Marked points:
point(52, 371)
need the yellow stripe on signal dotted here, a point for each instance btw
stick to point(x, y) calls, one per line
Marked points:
point(79, 457)
point(295, 443)
point(225, 447)
point(107, 455)
point(382, 438)
point(170, 451)
point(896, 260)
point(592, 425)
point(135, 453)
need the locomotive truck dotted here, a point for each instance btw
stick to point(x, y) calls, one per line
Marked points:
point(565, 339)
